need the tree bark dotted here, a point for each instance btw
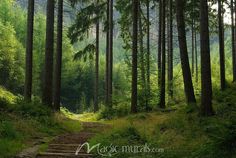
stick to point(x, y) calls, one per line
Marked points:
point(163, 53)
point(221, 45)
point(148, 56)
point(233, 39)
point(29, 52)
point(159, 46)
point(196, 55)
point(134, 56)
point(142, 61)
point(58, 66)
point(107, 57)
point(110, 54)
point(206, 83)
point(188, 85)
point(96, 65)
point(170, 50)
point(48, 69)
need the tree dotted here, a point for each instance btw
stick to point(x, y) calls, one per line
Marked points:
point(233, 39)
point(48, 68)
point(188, 85)
point(159, 45)
point(96, 62)
point(134, 56)
point(144, 99)
point(206, 83)
point(107, 56)
point(110, 53)
point(221, 45)
point(170, 50)
point(29, 52)
point(163, 57)
point(148, 93)
point(57, 81)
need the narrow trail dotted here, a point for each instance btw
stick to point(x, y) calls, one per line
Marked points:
point(65, 146)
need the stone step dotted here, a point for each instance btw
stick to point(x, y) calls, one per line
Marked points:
point(63, 155)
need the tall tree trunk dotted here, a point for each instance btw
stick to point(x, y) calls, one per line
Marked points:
point(148, 93)
point(170, 50)
point(206, 83)
point(110, 54)
point(221, 45)
point(29, 52)
point(159, 48)
point(196, 55)
point(48, 69)
point(163, 53)
point(188, 85)
point(142, 61)
point(134, 56)
point(193, 46)
point(96, 65)
point(107, 57)
point(58, 66)
point(233, 39)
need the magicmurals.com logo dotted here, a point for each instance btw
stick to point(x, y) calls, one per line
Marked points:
point(111, 150)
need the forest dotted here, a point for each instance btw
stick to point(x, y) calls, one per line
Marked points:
point(117, 78)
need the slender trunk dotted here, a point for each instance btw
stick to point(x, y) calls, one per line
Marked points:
point(96, 65)
point(134, 56)
point(221, 45)
point(196, 55)
point(233, 39)
point(107, 57)
point(188, 85)
point(206, 83)
point(58, 66)
point(110, 54)
point(163, 64)
point(148, 93)
point(48, 69)
point(29, 52)
point(142, 61)
point(159, 47)
point(193, 47)
point(170, 50)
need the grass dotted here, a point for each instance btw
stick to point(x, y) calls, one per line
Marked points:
point(23, 124)
point(181, 133)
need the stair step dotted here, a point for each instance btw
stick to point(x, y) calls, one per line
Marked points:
point(63, 155)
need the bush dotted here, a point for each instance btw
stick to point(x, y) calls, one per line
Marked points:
point(120, 110)
point(3, 103)
point(7, 130)
point(32, 109)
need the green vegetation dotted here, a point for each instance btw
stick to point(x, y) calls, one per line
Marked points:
point(181, 133)
point(23, 124)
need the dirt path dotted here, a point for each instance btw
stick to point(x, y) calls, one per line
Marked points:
point(65, 146)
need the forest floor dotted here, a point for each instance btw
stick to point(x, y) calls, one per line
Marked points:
point(176, 134)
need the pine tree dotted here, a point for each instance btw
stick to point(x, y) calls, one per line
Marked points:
point(29, 52)
point(48, 68)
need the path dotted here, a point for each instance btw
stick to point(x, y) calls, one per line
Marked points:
point(65, 146)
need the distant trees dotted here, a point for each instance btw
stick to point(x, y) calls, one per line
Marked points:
point(29, 52)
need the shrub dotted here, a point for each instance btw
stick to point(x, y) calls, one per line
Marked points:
point(7, 130)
